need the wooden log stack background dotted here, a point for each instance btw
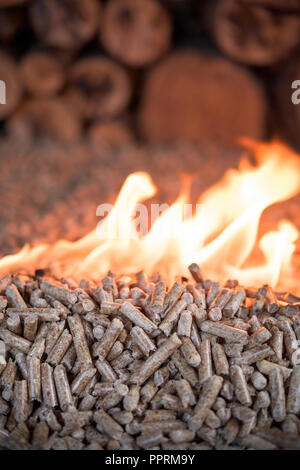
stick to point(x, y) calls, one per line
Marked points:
point(157, 71)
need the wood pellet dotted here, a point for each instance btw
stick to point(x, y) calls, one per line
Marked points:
point(137, 364)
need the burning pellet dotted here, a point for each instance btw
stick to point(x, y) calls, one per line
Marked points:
point(30, 327)
point(38, 347)
point(220, 359)
point(208, 395)
point(173, 295)
point(137, 317)
point(265, 367)
point(63, 388)
point(34, 378)
point(60, 348)
point(185, 370)
point(131, 400)
point(110, 308)
point(105, 370)
point(240, 385)
point(277, 395)
point(156, 359)
point(48, 387)
point(293, 398)
point(20, 403)
point(60, 293)
point(54, 332)
point(267, 293)
point(142, 340)
point(184, 323)
point(185, 393)
point(80, 342)
point(224, 331)
point(81, 380)
point(14, 325)
point(189, 352)
point(14, 297)
point(108, 424)
point(21, 361)
point(171, 318)
point(109, 338)
point(255, 354)
point(196, 273)
point(205, 368)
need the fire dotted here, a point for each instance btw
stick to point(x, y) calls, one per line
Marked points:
point(220, 235)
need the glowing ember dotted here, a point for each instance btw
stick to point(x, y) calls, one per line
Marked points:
point(220, 236)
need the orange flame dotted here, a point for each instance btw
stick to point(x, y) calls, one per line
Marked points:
point(220, 236)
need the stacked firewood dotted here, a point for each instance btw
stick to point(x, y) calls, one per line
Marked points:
point(106, 69)
point(131, 364)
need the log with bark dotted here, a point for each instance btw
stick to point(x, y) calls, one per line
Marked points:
point(68, 25)
point(42, 73)
point(137, 32)
point(254, 32)
point(98, 88)
point(193, 96)
point(44, 118)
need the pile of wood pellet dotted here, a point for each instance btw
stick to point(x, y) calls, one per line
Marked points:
point(130, 364)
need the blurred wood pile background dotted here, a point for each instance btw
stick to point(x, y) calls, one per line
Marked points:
point(118, 71)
